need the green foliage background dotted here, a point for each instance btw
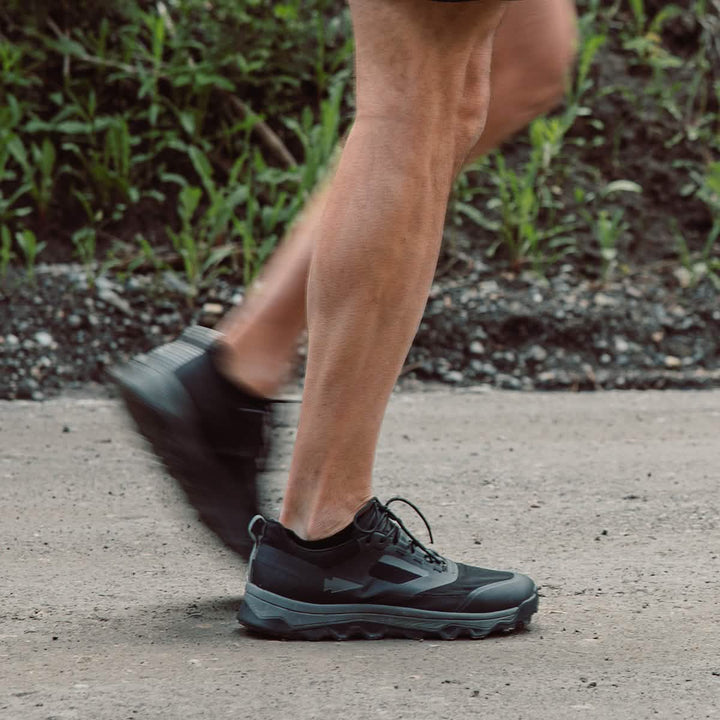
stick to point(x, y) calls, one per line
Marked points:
point(188, 134)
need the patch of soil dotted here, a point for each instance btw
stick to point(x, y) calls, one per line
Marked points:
point(508, 331)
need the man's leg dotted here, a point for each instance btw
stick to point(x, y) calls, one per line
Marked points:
point(209, 431)
point(340, 563)
point(418, 63)
point(532, 54)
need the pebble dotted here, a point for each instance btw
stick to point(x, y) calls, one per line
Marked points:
point(454, 376)
point(621, 344)
point(507, 382)
point(44, 339)
point(112, 298)
point(213, 309)
point(176, 284)
point(603, 300)
point(537, 353)
point(586, 337)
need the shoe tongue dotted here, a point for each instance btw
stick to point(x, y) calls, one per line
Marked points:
point(370, 516)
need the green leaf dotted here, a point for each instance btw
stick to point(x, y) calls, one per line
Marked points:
point(17, 150)
point(203, 168)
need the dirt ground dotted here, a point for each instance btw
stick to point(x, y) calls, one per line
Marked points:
point(117, 605)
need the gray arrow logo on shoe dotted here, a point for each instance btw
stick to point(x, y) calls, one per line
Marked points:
point(336, 585)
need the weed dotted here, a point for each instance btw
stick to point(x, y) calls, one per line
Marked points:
point(85, 242)
point(105, 107)
point(31, 248)
point(6, 252)
point(706, 187)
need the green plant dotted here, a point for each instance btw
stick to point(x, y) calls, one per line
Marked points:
point(31, 248)
point(38, 169)
point(646, 41)
point(318, 140)
point(203, 245)
point(706, 187)
point(6, 251)
point(696, 266)
point(85, 242)
point(524, 197)
point(147, 257)
point(607, 230)
point(12, 152)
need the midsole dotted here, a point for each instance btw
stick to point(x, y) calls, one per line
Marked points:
point(267, 604)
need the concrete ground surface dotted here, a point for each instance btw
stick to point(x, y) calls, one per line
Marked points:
point(116, 604)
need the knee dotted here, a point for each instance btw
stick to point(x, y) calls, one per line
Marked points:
point(540, 64)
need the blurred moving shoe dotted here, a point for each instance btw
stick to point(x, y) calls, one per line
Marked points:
point(211, 435)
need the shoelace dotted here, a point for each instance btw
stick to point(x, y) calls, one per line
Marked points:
point(394, 531)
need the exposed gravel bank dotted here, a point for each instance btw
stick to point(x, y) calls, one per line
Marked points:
point(512, 332)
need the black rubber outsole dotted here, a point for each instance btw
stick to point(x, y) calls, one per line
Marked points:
point(374, 630)
point(221, 505)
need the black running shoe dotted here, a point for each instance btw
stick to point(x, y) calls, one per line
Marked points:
point(374, 579)
point(211, 436)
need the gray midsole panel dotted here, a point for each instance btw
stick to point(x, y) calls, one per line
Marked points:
point(267, 605)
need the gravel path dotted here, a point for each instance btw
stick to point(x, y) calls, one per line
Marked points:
point(509, 331)
point(117, 605)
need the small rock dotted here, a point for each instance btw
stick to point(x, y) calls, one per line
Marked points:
point(621, 344)
point(176, 284)
point(112, 298)
point(213, 309)
point(537, 353)
point(453, 376)
point(477, 348)
point(74, 321)
point(672, 362)
point(26, 388)
point(603, 300)
point(44, 339)
point(683, 276)
point(12, 341)
point(507, 382)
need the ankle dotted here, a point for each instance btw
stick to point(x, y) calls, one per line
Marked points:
point(254, 378)
point(321, 521)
